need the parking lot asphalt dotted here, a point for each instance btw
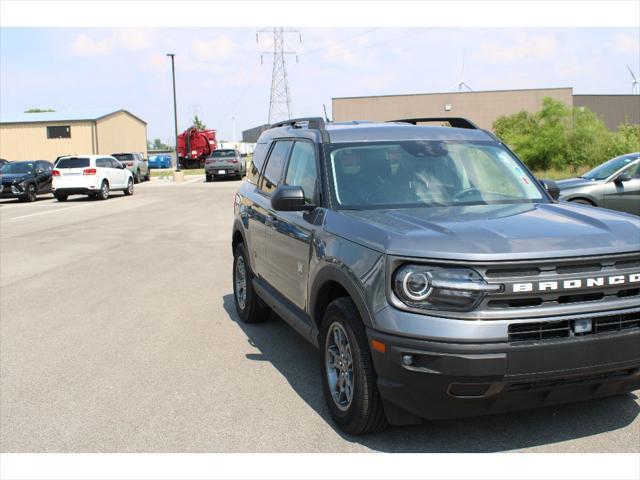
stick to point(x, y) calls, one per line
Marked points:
point(118, 334)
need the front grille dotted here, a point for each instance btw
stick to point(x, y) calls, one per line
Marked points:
point(569, 292)
point(541, 331)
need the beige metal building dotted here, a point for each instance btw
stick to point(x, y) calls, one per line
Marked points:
point(482, 107)
point(46, 136)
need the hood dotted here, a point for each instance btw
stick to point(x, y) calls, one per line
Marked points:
point(12, 177)
point(490, 232)
point(574, 182)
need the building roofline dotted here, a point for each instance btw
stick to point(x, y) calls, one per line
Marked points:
point(455, 93)
point(73, 120)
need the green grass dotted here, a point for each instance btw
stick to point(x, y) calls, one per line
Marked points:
point(168, 172)
point(557, 174)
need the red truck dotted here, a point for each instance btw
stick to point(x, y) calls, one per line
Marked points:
point(194, 146)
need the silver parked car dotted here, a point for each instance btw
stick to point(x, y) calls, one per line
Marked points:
point(136, 164)
point(615, 185)
point(225, 162)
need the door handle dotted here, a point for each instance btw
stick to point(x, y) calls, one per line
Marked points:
point(271, 220)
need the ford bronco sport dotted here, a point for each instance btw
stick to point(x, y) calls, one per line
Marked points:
point(437, 277)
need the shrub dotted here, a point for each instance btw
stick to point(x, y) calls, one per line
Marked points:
point(564, 138)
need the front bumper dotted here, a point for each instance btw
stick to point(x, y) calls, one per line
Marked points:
point(11, 191)
point(435, 380)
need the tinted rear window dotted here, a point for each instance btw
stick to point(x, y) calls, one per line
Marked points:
point(73, 162)
point(123, 156)
point(223, 153)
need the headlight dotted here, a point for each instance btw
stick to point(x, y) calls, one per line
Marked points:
point(440, 288)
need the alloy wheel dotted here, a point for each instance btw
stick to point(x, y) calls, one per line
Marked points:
point(241, 283)
point(339, 366)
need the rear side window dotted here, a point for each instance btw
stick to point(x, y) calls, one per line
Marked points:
point(259, 155)
point(275, 166)
point(103, 163)
point(73, 162)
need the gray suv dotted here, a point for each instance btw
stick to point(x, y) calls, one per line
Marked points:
point(136, 164)
point(437, 277)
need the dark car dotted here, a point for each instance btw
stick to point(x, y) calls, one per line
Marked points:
point(435, 274)
point(615, 184)
point(225, 162)
point(25, 180)
point(3, 162)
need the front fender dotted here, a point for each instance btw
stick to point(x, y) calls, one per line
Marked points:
point(360, 271)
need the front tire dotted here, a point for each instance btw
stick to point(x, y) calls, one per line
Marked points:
point(32, 193)
point(129, 189)
point(582, 201)
point(250, 308)
point(61, 197)
point(348, 376)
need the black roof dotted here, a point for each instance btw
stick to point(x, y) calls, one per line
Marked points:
point(360, 131)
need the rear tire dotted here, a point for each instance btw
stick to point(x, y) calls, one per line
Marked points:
point(250, 308)
point(348, 376)
point(61, 197)
point(103, 194)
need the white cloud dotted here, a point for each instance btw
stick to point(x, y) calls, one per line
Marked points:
point(130, 39)
point(83, 46)
point(626, 44)
point(217, 48)
point(523, 46)
point(134, 38)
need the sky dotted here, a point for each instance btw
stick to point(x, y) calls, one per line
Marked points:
point(219, 73)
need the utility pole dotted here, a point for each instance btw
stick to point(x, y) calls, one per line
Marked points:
point(280, 98)
point(233, 119)
point(175, 111)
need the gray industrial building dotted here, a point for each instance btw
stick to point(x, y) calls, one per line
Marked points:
point(483, 107)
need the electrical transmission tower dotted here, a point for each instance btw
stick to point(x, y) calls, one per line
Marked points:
point(280, 98)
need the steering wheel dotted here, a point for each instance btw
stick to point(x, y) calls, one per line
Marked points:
point(467, 192)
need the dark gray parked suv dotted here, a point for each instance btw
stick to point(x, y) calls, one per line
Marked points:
point(435, 274)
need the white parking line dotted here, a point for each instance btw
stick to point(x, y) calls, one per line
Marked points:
point(65, 208)
point(47, 211)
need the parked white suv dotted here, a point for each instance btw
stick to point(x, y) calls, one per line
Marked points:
point(92, 175)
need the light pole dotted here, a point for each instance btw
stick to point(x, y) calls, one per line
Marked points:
point(233, 117)
point(175, 111)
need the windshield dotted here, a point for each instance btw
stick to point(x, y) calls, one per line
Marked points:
point(72, 162)
point(609, 168)
point(224, 153)
point(18, 167)
point(428, 173)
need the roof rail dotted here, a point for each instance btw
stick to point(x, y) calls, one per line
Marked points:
point(316, 123)
point(456, 122)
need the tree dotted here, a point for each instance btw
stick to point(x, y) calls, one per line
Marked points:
point(38, 110)
point(157, 144)
point(198, 123)
point(563, 137)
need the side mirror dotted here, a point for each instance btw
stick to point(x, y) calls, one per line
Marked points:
point(289, 198)
point(552, 188)
point(623, 177)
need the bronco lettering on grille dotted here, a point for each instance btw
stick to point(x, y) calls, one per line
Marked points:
point(569, 284)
